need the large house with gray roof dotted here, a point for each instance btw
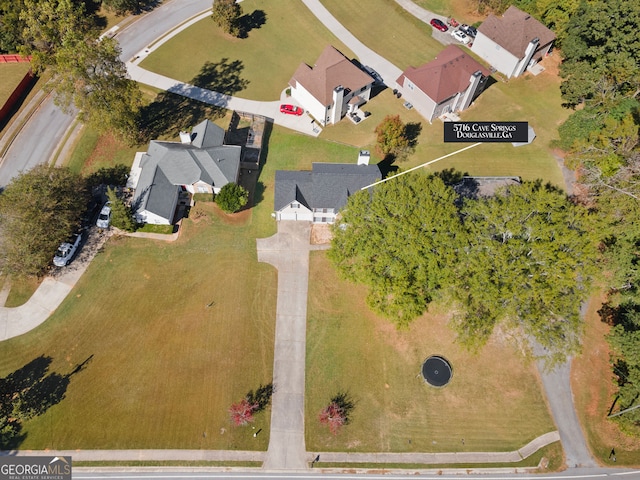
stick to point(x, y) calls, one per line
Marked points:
point(199, 163)
point(318, 195)
point(447, 84)
point(332, 88)
point(512, 43)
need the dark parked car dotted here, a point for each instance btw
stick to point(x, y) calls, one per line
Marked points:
point(439, 24)
point(469, 30)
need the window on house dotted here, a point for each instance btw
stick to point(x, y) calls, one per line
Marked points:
point(202, 189)
point(295, 205)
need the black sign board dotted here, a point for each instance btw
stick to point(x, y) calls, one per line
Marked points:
point(517, 132)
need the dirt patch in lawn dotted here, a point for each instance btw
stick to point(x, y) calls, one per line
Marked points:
point(103, 154)
point(320, 234)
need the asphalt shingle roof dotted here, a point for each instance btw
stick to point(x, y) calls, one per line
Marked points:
point(514, 30)
point(446, 75)
point(331, 70)
point(170, 164)
point(327, 185)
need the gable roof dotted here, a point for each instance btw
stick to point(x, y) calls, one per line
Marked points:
point(168, 165)
point(515, 30)
point(446, 75)
point(327, 185)
point(331, 70)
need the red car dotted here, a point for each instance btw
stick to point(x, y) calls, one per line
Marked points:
point(291, 110)
point(439, 24)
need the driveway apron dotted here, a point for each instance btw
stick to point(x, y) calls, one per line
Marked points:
point(288, 251)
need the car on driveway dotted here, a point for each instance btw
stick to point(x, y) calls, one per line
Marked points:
point(291, 109)
point(104, 217)
point(438, 24)
point(461, 37)
point(471, 31)
point(66, 251)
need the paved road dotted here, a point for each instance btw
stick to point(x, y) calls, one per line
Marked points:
point(37, 142)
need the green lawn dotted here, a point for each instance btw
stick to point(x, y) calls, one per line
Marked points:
point(494, 401)
point(258, 67)
point(387, 29)
point(11, 74)
point(162, 367)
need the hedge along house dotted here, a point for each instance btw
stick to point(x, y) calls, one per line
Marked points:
point(332, 88)
point(318, 195)
point(513, 42)
point(170, 172)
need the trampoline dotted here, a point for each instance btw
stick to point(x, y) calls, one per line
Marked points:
point(437, 371)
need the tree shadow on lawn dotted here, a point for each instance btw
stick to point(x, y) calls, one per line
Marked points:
point(175, 110)
point(251, 21)
point(27, 393)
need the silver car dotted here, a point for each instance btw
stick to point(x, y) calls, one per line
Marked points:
point(66, 251)
point(105, 216)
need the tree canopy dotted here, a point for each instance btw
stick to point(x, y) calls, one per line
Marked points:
point(88, 72)
point(226, 14)
point(528, 265)
point(392, 138)
point(402, 241)
point(39, 210)
point(232, 197)
point(522, 258)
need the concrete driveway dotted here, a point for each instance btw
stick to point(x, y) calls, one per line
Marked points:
point(288, 251)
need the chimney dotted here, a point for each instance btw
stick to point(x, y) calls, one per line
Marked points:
point(185, 138)
point(363, 157)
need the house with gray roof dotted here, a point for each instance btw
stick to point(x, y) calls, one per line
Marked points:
point(512, 43)
point(199, 163)
point(332, 88)
point(447, 84)
point(318, 195)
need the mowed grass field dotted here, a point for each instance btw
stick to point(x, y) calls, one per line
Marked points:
point(172, 334)
point(269, 56)
point(493, 402)
point(11, 74)
point(387, 29)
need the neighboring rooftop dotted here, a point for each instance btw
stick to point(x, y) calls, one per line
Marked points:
point(515, 30)
point(446, 75)
point(331, 70)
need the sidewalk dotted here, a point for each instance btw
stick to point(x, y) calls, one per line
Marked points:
point(51, 292)
point(325, 457)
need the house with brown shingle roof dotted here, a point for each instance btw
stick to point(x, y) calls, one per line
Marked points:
point(513, 42)
point(449, 83)
point(332, 88)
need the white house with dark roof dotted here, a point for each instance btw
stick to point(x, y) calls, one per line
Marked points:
point(318, 195)
point(200, 163)
point(449, 83)
point(512, 43)
point(332, 88)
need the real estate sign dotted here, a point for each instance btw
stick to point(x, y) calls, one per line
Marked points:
point(486, 131)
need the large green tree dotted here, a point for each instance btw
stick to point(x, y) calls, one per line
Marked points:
point(88, 72)
point(402, 240)
point(601, 52)
point(39, 209)
point(232, 197)
point(226, 14)
point(528, 266)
